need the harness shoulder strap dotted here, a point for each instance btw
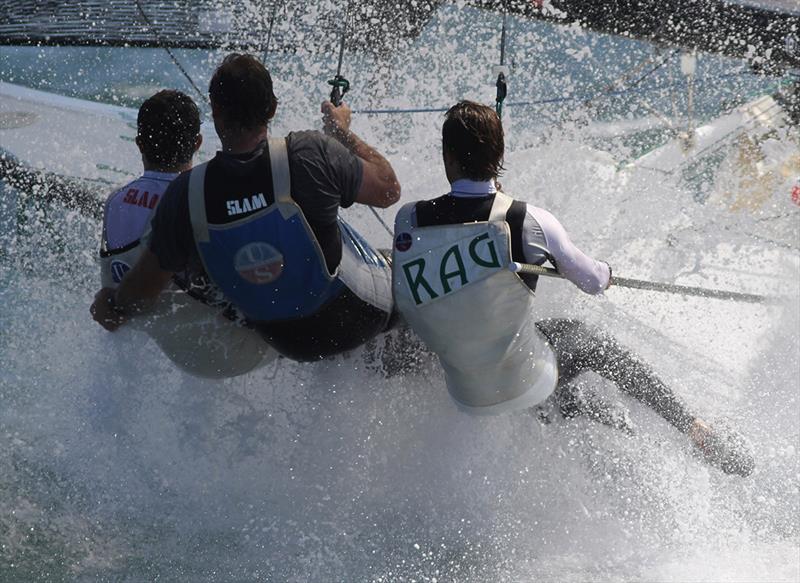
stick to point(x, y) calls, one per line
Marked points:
point(281, 177)
point(500, 206)
point(197, 202)
point(403, 222)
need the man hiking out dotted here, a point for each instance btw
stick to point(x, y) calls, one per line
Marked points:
point(453, 286)
point(258, 226)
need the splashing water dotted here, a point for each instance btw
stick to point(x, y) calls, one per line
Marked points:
point(115, 466)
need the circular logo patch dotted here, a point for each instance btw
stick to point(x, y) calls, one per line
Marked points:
point(403, 242)
point(118, 270)
point(259, 263)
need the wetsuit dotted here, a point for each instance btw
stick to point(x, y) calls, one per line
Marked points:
point(536, 237)
point(236, 248)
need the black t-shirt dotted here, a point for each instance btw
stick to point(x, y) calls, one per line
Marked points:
point(325, 176)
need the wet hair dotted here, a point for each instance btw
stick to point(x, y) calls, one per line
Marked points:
point(241, 89)
point(168, 125)
point(473, 133)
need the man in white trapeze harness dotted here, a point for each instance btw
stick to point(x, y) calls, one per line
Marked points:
point(453, 286)
point(258, 227)
point(198, 338)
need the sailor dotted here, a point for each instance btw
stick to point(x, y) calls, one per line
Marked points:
point(196, 337)
point(259, 226)
point(453, 286)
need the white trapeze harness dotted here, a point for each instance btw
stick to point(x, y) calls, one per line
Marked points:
point(453, 286)
point(194, 336)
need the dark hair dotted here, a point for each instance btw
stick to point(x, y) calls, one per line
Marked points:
point(168, 124)
point(473, 133)
point(242, 90)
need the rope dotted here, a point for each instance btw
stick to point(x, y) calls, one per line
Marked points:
point(684, 290)
point(551, 100)
point(269, 31)
point(382, 222)
point(169, 51)
point(339, 84)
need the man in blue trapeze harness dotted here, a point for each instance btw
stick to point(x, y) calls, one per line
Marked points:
point(453, 286)
point(257, 227)
point(196, 337)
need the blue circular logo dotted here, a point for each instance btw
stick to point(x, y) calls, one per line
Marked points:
point(403, 242)
point(259, 263)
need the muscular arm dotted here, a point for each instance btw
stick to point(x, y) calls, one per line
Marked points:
point(590, 275)
point(379, 185)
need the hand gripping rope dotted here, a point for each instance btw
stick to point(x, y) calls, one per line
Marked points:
point(340, 85)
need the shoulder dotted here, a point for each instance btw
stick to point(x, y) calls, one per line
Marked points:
point(306, 141)
point(312, 146)
point(541, 215)
point(174, 201)
point(178, 188)
point(119, 193)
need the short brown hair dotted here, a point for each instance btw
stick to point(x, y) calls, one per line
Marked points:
point(473, 133)
point(242, 90)
point(167, 127)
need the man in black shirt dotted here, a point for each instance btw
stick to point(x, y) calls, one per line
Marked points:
point(259, 226)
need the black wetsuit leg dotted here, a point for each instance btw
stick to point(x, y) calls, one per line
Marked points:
point(579, 347)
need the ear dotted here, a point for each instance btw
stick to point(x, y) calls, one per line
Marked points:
point(138, 141)
point(272, 110)
point(198, 141)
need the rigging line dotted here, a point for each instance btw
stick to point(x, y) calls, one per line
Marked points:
point(685, 290)
point(390, 111)
point(269, 30)
point(646, 105)
point(169, 51)
point(340, 86)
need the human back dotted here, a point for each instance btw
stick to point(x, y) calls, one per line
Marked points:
point(297, 275)
point(193, 335)
point(465, 302)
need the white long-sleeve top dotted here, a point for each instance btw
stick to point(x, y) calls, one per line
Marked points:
point(542, 229)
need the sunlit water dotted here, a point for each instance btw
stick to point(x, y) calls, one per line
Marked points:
point(115, 466)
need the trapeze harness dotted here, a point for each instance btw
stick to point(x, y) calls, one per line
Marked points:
point(453, 286)
point(127, 215)
point(194, 336)
point(271, 267)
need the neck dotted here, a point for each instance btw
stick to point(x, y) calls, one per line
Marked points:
point(243, 141)
point(148, 167)
point(467, 187)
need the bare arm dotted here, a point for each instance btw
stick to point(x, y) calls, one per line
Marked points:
point(379, 186)
point(139, 289)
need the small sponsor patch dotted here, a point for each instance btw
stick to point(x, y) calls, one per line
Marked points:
point(118, 270)
point(259, 263)
point(796, 194)
point(403, 242)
